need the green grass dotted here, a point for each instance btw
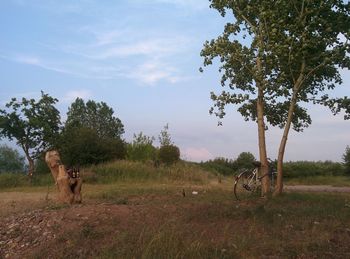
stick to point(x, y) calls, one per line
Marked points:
point(123, 170)
point(161, 223)
point(319, 180)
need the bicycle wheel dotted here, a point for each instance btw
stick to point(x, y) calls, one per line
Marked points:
point(245, 184)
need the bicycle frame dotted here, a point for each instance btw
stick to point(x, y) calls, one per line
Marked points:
point(250, 180)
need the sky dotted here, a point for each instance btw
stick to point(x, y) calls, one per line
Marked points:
point(142, 57)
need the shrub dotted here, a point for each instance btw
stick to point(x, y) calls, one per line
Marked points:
point(41, 167)
point(346, 159)
point(141, 149)
point(83, 146)
point(10, 160)
point(309, 168)
point(169, 154)
point(244, 161)
point(220, 165)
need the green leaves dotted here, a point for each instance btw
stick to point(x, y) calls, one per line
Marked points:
point(33, 124)
point(296, 48)
point(96, 116)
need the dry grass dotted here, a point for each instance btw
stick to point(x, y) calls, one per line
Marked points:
point(152, 213)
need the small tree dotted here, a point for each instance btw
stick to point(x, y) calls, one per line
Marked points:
point(346, 159)
point(83, 146)
point(141, 148)
point(244, 161)
point(169, 154)
point(164, 136)
point(10, 160)
point(33, 124)
point(92, 134)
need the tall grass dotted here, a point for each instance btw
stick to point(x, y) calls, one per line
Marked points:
point(118, 171)
point(123, 170)
point(11, 180)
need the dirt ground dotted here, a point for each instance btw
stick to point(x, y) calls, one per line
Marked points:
point(33, 225)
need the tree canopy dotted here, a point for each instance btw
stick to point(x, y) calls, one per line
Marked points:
point(94, 115)
point(92, 134)
point(34, 125)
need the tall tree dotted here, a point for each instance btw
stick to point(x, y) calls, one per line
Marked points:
point(92, 134)
point(97, 116)
point(34, 125)
point(244, 66)
point(291, 56)
point(313, 45)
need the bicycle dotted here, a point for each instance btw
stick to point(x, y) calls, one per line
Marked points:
point(248, 182)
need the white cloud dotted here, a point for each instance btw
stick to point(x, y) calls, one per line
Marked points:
point(197, 154)
point(153, 71)
point(72, 95)
point(116, 44)
point(192, 4)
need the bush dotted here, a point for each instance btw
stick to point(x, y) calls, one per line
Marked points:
point(10, 160)
point(346, 159)
point(244, 161)
point(8, 180)
point(309, 168)
point(226, 166)
point(83, 146)
point(169, 154)
point(220, 165)
point(41, 167)
point(141, 149)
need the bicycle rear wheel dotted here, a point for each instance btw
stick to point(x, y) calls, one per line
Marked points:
point(245, 185)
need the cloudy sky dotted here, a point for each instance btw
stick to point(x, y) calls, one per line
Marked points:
point(142, 58)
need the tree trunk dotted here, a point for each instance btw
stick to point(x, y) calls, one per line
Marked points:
point(265, 181)
point(282, 148)
point(296, 88)
point(264, 169)
point(31, 168)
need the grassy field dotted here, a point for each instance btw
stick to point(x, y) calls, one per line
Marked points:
point(167, 214)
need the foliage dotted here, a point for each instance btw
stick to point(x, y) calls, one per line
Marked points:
point(309, 168)
point(169, 154)
point(33, 124)
point(41, 166)
point(346, 159)
point(83, 146)
point(244, 161)
point(92, 134)
point(288, 41)
point(164, 137)
point(220, 165)
point(292, 56)
point(141, 148)
point(96, 116)
point(10, 160)
point(10, 180)
point(228, 167)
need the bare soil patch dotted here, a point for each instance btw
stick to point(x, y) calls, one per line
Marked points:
point(164, 224)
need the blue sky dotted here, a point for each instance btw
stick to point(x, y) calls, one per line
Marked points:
point(142, 58)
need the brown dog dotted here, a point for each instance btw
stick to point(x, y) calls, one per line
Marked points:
point(69, 188)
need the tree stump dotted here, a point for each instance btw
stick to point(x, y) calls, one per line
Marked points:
point(69, 187)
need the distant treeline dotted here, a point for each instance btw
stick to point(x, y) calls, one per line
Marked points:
point(292, 169)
